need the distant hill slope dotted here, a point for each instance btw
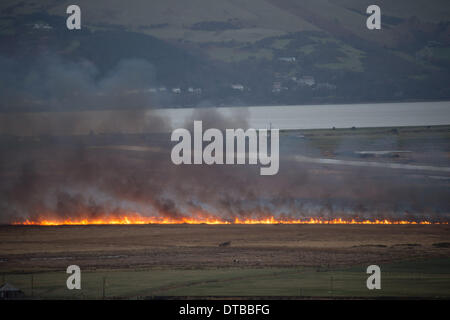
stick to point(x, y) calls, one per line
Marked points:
point(173, 19)
point(234, 52)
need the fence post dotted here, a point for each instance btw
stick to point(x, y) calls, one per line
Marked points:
point(32, 285)
point(103, 290)
point(331, 284)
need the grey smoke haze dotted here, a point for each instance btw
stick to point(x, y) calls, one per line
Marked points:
point(71, 179)
point(64, 85)
point(70, 182)
point(67, 86)
point(211, 118)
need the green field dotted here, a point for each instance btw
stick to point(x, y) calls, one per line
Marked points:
point(420, 279)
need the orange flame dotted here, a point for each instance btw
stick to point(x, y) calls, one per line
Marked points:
point(138, 219)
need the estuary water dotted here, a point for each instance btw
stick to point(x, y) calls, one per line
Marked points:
point(328, 116)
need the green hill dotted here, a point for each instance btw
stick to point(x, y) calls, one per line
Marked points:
point(205, 46)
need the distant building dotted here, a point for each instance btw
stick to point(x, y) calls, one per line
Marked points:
point(152, 90)
point(176, 90)
point(237, 86)
point(287, 59)
point(277, 87)
point(8, 291)
point(307, 81)
point(195, 90)
point(43, 26)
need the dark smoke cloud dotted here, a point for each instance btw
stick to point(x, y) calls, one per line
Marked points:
point(53, 83)
point(88, 184)
point(73, 178)
point(61, 85)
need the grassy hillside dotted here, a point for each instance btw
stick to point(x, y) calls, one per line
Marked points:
point(211, 44)
point(174, 19)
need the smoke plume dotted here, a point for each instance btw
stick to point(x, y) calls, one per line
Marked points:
point(91, 165)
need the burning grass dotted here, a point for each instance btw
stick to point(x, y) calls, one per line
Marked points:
point(139, 219)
